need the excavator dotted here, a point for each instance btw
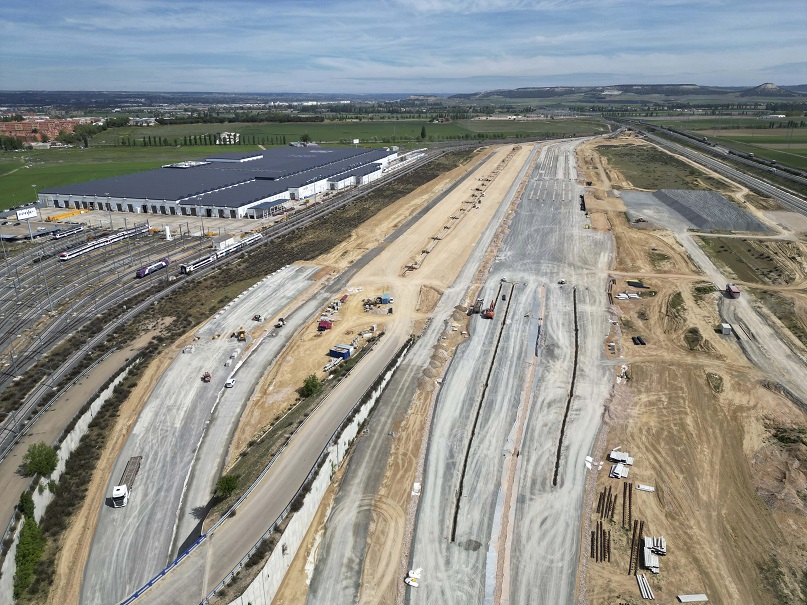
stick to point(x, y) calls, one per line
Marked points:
point(488, 313)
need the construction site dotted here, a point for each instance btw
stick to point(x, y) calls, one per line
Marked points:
point(525, 381)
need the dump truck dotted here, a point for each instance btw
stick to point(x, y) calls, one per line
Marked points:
point(121, 492)
point(256, 317)
point(477, 308)
point(206, 377)
point(241, 334)
point(280, 323)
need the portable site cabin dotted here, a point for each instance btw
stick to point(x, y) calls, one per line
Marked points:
point(324, 324)
point(385, 299)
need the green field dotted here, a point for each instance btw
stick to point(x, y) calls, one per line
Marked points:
point(648, 168)
point(368, 131)
point(325, 132)
point(796, 158)
point(550, 128)
point(722, 122)
point(19, 172)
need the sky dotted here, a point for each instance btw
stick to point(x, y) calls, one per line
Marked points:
point(412, 46)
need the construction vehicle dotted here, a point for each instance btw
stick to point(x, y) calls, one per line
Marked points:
point(477, 308)
point(241, 335)
point(280, 323)
point(488, 314)
point(121, 493)
point(206, 377)
point(256, 317)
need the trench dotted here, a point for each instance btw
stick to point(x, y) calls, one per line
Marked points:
point(458, 497)
point(571, 391)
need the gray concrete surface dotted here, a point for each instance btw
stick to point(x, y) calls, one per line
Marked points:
point(705, 210)
point(337, 575)
point(201, 571)
point(131, 544)
point(546, 242)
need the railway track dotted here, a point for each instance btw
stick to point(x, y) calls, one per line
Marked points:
point(786, 198)
point(88, 280)
point(15, 425)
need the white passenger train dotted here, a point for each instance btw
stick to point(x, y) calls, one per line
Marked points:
point(103, 241)
point(212, 257)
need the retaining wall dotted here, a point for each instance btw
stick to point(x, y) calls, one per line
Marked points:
point(42, 495)
point(264, 587)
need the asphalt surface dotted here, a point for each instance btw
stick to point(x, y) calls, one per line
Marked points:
point(202, 570)
point(706, 210)
point(132, 544)
point(546, 243)
point(337, 574)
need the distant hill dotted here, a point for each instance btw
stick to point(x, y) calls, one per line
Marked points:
point(655, 92)
point(547, 92)
point(769, 90)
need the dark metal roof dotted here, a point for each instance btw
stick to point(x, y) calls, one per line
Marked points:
point(277, 169)
point(267, 205)
point(233, 156)
point(237, 195)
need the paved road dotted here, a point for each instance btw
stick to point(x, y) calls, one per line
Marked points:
point(337, 575)
point(215, 557)
point(546, 242)
point(133, 543)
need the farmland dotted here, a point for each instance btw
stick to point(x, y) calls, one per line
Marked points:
point(648, 168)
point(20, 172)
point(772, 139)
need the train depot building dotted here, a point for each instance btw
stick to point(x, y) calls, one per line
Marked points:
point(255, 184)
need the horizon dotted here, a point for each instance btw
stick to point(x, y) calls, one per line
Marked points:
point(737, 87)
point(348, 47)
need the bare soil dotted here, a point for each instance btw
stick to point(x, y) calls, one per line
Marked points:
point(725, 454)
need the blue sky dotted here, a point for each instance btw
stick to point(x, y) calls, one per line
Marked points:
point(396, 45)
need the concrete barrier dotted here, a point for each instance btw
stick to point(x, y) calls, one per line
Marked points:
point(42, 496)
point(264, 588)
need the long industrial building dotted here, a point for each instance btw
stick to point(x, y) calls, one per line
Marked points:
point(229, 185)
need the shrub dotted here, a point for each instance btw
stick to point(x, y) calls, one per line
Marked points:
point(26, 505)
point(227, 485)
point(29, 550)
point(40, 459)
point(311, 386)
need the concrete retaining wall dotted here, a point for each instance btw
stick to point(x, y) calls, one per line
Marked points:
point(70, 443)
point(263, 589)
point(9, 569)
point(42, 495)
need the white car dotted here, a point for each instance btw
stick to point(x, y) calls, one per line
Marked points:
point(561, 281)
point(230, 383)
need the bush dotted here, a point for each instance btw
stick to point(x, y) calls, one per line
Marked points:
point(29, 550)
point(26, 505)
point(40, 459)
point(227, 485)
point(311, 386)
